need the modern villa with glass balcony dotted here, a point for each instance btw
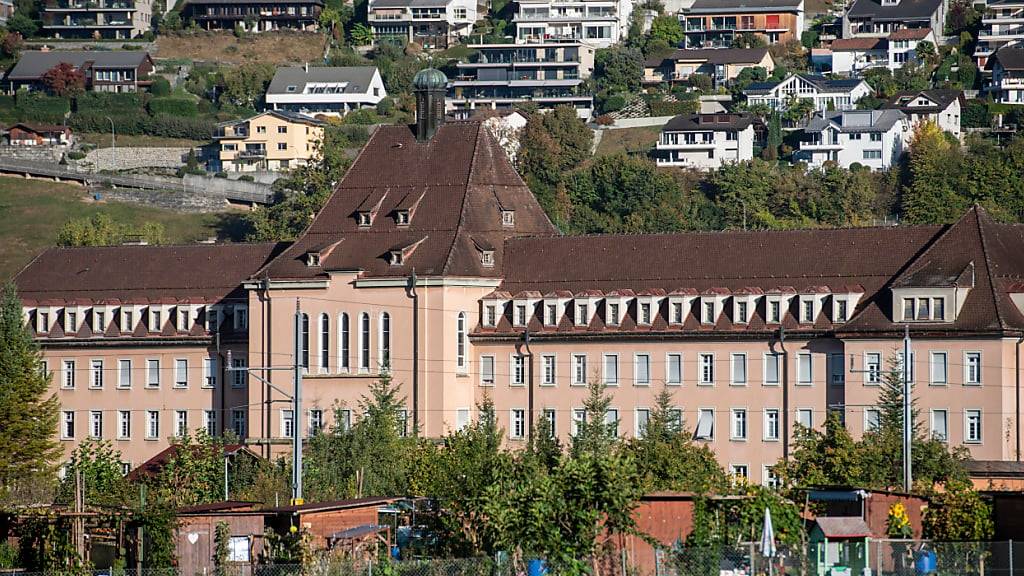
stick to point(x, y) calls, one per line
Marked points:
point(498, 76)
point(116, 19)
point(599, 23)
point(433, 24)
point(1001, 25)
point(716, 23)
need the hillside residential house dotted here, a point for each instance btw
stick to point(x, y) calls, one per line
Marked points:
point(112, 19)
point(322, 90)
point(433, 24)
point(599, 23)
point(716, 23)
point(6, 11)
point(501, 75)
point(722, 65)
point(880, 18)
point(851, 56)
point(1007, 68)
point(31, 134)
point(872, 138)
point(827, 94)
point(272, 140)
point(254, 15)
point(941, 106)
point(705, 141)
point(1002, 24)
point(140, 358)
point(104, 70)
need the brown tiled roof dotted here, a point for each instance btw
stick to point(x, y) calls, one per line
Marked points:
point(463, 180)
point(141, 274)
point(849, 44)
point(843, 526)
point(152, 467)
point(910, 34)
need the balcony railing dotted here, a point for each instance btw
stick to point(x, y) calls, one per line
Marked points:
point(252, 153)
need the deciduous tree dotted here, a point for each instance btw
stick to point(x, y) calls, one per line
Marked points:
point(64, 80)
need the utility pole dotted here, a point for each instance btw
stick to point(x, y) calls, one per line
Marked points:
point(297, 411)
point(908, 417)
point(410, 292)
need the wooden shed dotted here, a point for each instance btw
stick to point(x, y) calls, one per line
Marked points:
point(197, 526)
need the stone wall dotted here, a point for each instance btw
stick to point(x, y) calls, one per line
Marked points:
point(135, 157)
point(33, 153)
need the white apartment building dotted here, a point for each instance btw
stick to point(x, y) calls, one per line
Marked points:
point(1007, 67)
point(433, 24)
point(1002, 25)
point(872, 138)
point(826, 93)
point(852, 56)
point(599, 23)
point(705, 141)
point(325, 90)
point(941, 106)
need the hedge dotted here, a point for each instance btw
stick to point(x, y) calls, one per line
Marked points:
point(673, 108)
point(173, 107)
point(38, 107)
point(109, 103)
point(161, 125)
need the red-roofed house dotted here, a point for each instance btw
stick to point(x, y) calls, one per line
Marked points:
point(24, 134)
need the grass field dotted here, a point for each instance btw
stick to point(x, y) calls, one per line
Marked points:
point(223, 47)
point(627, 139)
point(32, 211)
point(102, 140)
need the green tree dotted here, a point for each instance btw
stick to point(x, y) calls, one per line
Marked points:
point(195, 472)
point(667, 28)
point(361, 34)
point(595, 434)
point(932, 194)
point(102, 230)
point(957, 514)
point(245, 85)
point(98, 466)
point(822, 457)
point(22, 24)
point(551, 145)
point(618, 69)
point(27, 409)
point(774, 141)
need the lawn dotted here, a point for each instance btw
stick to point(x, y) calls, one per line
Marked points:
point(222, 47)
point(624, 140)
point(102, 140)
point(32, 211)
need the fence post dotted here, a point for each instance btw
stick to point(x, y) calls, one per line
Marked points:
point(1011, 556)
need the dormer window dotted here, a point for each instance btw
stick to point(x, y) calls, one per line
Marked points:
point(99, 320)
point(44, 321)
point(582, 314)
point(842, 313)
point(677, 312)
point(741, 312)
point(774, 311)
point(364, 219)
point(401, 218)
point(645, 313)
point(127, 320)
point(709, 313)
point(613, 314)
point(508, 218)
point(490, 315)
point(923, 309)
point(155, 320)
point(312, 259)
point(183, 313)
point(520, 315)
point(551, 314)
point(487, 258)
point(807, 311)
point(397, 258)
point(70, 321)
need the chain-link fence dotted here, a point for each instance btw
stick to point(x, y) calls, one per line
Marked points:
point(898, 557)
point(744, 559)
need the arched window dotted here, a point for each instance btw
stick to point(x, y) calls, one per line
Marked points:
point(364, 342)
point(460, 341)
point(343, 342)
point(325, 343)
point(304, 341)
point(384, 343)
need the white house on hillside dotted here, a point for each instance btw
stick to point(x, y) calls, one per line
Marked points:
point(872, 138)
point(705, 141)
point(329, 91)
point(599, 23)
point(854, 55)
point(826, 93)
point(941, 106)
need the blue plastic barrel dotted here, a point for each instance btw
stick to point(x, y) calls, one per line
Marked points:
point(536, 567)
point(396, 553)
point(925, 562)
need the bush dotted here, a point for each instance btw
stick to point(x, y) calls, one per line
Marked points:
point(220, 174)
point(673, 108)
point(76, 155)
point(160, 87)
point(246, 178)
point(614, 103)
point(701, 82)
point(184, 107)
point(363, 116)
point(809, 39)
point(385, 107)
point(109, 103)
point(605, 120)
point(159, 125)
point(38, 107)
point(976, 115)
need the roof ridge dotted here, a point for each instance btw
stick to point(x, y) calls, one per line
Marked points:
point(465, 201)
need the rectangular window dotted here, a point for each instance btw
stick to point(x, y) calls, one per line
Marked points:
point(805, 417)
point(807, 311)
point(674, 369)
point(872, 420)
point(739, 370)
point(642, 369)
point(238, 422)
point(640, 419)
point(872, 154)
point(774, 311)
point(68, 374)
point(152, 424)
point(239, 376)
point(899, 362)
point(96, 424)
point(677, 312)
point(67, 429)
point(645, 313)
point(938, 308)
point(876, 137)
point(124, 424)
point(937, 368)
point(209, 372)
point(579, 369)
point(837, 372)
point(771, 424)
point(548, 369)
point(770, 478)
point(972, 368)
point(344, 422)
point(316, 421)
point(180, 423)
point(490, 315)
point(741, 312)
point(611, 421)
point(181, 373)
point(287, 424)
point(582, 314)
point(613, 314)
point(940, 425)
point(804, 370)
point(551, 314)
point(705, 424)
point(551, 417)
point(739, 470)
point(707, 369)
point(771, 369)
point(520, 315)
point(709, 312)
point(153, 373)
point(210, 422)
point(487, 370)
point(579, 416)
point(739, 424)
point(516, 374)
point(972, 426)
point(841, 312)
point(124, 373)
point(96, 376)
point(517, 424)
point(461, 418)
point(872, 367)
point(611, 369)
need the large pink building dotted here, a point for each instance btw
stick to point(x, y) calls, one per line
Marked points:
point(752, 332)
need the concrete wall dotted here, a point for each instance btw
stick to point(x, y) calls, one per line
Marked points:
point(130, 158)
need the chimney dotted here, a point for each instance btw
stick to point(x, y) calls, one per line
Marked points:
point(429, 85)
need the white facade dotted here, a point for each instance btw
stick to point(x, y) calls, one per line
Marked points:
point(430, 23)
point(871, 138)
point(599, 23)
point(826, 94)
point(853, 56)
point(312, 91)
point(926, 107)
point(1007, 85)
point(1002, 25)
point(704, 146)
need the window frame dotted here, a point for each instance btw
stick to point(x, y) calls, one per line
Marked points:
point(96, 367)
point(178, 384)
point(733, 357)
point(931, 424)
point(579, 368)
point(765, 436)
point(967, 355)
point(516, 418)
point(703, 368)
point(968, 439)
point(67, 418)
point(769, 358)
point(743, 421)
point(123, 373)
point(800, 380)
point(670, 358)
point(605, 357)
point(636, 369)
point(124, 425)
point(932, 355)
point(484, 381)
point(544, 360)
point(517, 370)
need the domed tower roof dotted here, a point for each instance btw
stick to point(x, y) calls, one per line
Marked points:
point(429, 79)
